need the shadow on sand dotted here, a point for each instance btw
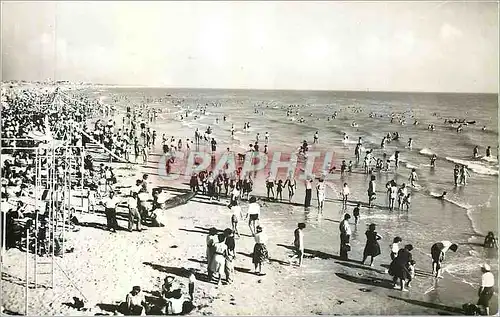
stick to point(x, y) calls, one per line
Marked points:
point(371, 281)
point(250, 255)
point(178, 271)
point(453, 310)
point(313, 253)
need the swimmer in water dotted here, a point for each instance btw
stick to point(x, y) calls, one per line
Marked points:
point(476, 152)
point(488, 151)
point(410, 143)
point(413, 177)
point(443, 196)
point(316, 137)
point(346, 137)
point(433, 160)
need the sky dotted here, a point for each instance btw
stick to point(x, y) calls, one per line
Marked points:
point(380, 46)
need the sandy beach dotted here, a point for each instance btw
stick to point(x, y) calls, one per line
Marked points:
point(104, 266)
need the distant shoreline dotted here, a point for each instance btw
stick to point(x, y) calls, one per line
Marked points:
point(93, 85)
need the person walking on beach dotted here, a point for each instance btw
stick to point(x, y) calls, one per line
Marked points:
point(133, 212)
point(355, 213)
point(291, 184)
point(266, 138)
point(372, 247)
point(110, 210)
point(345, 235)
point(345, 195)
point(210, 251)
point(236, 215)
point(486, 290)
point(357, 152)
point(438, 251)
point(260, 253)
point(321, 194)
point(371, 191)
point(219, 257)
point(395, 247)
point(307, 200)
point(400, 267)
point(298, 242)
point(253, 214)
point(270, 186)
point(231, 255)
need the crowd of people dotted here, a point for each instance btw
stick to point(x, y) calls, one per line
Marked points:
point(37, 114)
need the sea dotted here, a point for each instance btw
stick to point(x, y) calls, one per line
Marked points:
point(465, 217)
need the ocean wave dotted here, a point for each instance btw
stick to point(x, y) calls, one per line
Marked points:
point(466, 266)
point(476, 167)
point(452, 201)
point(426, 151)
point(491, 159)
point(350, 142)
point(409, 165)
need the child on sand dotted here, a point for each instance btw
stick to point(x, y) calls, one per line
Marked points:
point(395, 247)
point(279, 190)
point(355, 212)
point(236, 215)
point(320, 188)
point(371, 191)
point(298, 242)
point(411, 271)
point(345, 194)
point(291, 184)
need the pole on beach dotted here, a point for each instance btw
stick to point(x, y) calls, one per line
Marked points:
point(53, 224)
point(27, 262)
point(82, 171)
point(36, 216)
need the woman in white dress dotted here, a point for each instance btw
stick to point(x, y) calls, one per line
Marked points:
point(320, 190)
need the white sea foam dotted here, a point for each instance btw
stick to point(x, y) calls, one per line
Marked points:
point(476, 167)
point(426, 151)
point(491, 159)
point(350, 142)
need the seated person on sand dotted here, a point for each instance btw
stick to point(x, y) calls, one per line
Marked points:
point(144, 203)
point(168, 287)
point(135, 303)
point(175, 305)
point(161, 198)
point(490, 241)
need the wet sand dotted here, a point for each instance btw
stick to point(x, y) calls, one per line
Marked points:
point(104, 266)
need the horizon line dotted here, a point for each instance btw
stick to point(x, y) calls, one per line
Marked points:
point(62, 82)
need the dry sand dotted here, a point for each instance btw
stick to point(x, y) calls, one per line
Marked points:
point(104, 266)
